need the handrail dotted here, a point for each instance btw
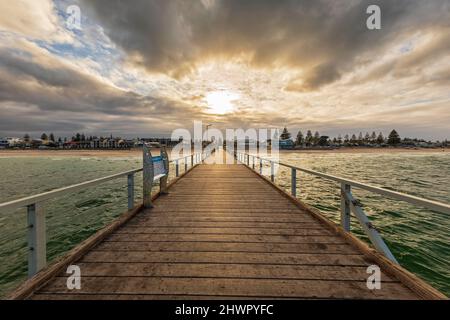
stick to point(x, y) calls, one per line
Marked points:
point(348, 203)
point(23, 202)
point(429, 204)
point(36, 222)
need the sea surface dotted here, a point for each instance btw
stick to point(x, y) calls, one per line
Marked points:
point(419, 238)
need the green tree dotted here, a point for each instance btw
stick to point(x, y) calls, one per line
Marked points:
point(373, 137)
point(316, 137)
point(44, 137)
point(309, 138)
point(394, 138)
point(300, 139)
point(52, 137)
point(323, 141)
point(285, 134)
point(26, 137)
point(360, 138)
point(380, 138)
point(78, 137)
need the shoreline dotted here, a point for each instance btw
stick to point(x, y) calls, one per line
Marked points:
point(138, 152)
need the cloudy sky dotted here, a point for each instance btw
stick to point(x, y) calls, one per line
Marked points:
point(147, 67)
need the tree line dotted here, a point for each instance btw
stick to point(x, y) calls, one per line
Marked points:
point(316, 139)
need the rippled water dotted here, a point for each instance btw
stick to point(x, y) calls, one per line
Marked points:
point(417, 237)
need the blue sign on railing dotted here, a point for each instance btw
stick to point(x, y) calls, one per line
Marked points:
point(159, 169)
point(155, 168)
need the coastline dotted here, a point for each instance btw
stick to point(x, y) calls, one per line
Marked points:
point(138, 152)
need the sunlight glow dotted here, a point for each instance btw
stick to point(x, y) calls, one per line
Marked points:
point(221, 102)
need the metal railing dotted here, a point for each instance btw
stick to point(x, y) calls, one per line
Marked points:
point(36, 225)
point(349, 204)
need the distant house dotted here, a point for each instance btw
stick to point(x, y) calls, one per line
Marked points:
point(4, 143)
point(286, 144)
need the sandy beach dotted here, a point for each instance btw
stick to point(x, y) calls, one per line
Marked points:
point(138, 152)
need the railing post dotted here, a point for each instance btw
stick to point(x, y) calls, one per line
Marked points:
point(294, 182)
point(253, 157)
point(163, 181)
point(272, 171)
point(185, 164)
point(248, 160)
point(177, 169)
point(147, 177)
point(345, 207)
point(37, 243)
point(260, 166)
point(192, 160)
point(130, 191)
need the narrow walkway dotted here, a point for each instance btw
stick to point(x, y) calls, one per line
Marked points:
point(223, 232)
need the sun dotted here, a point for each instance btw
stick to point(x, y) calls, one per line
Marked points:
point(221, 102)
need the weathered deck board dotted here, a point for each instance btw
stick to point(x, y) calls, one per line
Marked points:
point(223, 232)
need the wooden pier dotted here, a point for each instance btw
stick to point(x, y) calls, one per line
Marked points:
point(224, 232)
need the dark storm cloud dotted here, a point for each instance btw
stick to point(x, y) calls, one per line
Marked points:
point(37, 92)
point(322, 38)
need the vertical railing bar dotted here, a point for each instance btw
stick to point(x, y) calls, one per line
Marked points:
point(177, 169)
point(37, 243)
point(130, 183)
point(272, 171)
point(345, 207)
point(294, 182)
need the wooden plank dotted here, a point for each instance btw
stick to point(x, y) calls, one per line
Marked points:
point(223, 230)
point(226, 257)
point(227, 238)
point(172, 223)
point(222, 219)
point(229, 271)
point(93, 296)
point(227, 247)
point(233, 287)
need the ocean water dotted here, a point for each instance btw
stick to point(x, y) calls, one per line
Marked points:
point(418, 237)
